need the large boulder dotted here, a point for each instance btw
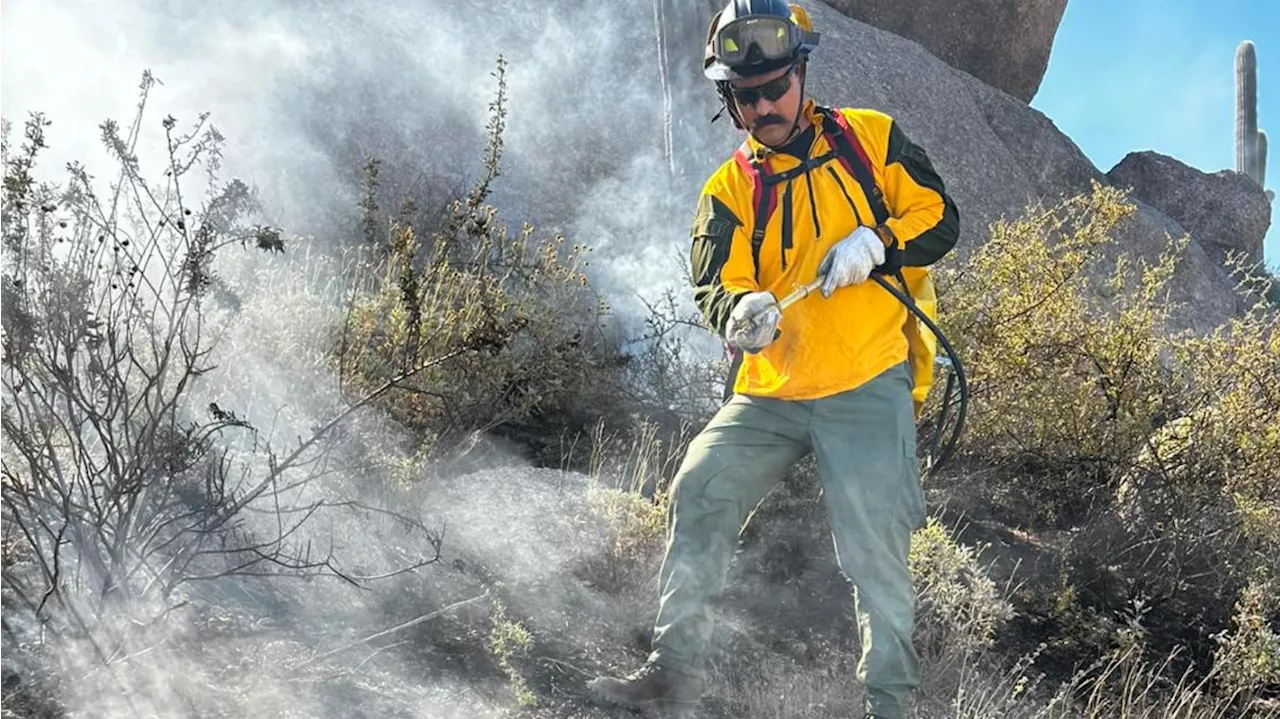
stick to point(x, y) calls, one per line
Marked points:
point(1201, 291)
point(1004, 43)
point(996, 154)
point(1224, 211)
point(1050, 161)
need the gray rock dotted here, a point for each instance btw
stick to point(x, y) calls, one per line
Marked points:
point(995, 154)
point(1004, 43)
point(1050, 160)
point(1224, 211)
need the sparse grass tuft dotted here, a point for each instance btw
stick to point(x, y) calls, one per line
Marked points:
point(509, 639)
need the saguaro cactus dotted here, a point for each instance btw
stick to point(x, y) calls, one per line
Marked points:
point(1251, 143)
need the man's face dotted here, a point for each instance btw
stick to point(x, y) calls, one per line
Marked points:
point(770, 120)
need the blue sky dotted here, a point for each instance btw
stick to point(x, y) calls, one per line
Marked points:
point(1160, 75)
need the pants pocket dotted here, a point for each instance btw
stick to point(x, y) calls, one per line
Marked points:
point(913, 490)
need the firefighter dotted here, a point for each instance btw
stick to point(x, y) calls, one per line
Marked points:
point(813, 192)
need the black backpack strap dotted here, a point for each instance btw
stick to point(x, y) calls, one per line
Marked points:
point(857, 163)
point(735, 364)
point(854, 158)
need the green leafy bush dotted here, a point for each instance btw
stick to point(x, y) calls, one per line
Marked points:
point(1065, 366)
point(1161, 447)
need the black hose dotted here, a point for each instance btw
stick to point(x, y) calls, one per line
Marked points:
point(958, 373)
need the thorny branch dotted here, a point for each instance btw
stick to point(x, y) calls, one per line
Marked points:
point(115, 491)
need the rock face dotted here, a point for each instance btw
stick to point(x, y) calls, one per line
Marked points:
point(1049, 159)
point(1201, 289)
point(1004, 43)
point(997, 155)
point(1225, 211)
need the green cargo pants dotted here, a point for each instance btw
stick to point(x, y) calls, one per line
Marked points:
point(864, 443)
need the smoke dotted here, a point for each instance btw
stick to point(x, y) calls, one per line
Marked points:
point(258, 647)
point(607, 135)
point(607, 140)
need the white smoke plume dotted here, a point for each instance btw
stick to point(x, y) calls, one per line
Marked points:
point(607, 141)
point(608, 135)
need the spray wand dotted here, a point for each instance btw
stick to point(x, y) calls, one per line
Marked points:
point(940, 450)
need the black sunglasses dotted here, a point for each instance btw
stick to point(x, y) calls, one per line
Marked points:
point(771, 91)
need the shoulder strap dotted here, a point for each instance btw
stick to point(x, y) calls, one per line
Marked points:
point(856, 161)
point(762, 199)
point(848, 151)
point(854, 158)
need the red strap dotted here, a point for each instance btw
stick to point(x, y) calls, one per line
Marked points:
point(743, 157)
point(761, 204)
point(865, 175)
point(843, 123)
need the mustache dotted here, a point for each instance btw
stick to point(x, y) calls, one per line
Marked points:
point(767, 120)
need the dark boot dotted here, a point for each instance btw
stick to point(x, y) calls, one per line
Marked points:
point(650, 687)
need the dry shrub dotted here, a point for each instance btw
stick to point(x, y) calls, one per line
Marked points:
point(627, 504)
point(1163, 447)
point(960, 608)
point(1232, 423)
point(673, 375)
point(1248, 658)
point(1122, 684)
point(508, 640)
point(777, 688)
point(633, 528)
point(1064, 367)
point(1202, 505)
point(517, 311)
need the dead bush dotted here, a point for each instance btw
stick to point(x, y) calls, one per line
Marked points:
point(515, 310)
point(118, 494)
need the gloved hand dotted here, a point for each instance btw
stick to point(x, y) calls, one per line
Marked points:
point(753, 324)
point(851, 260)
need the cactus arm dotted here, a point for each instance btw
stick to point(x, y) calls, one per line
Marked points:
point(1260, 160)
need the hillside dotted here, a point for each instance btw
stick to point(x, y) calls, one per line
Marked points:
point(410, 456)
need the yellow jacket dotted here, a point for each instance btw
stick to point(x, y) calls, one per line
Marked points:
point(830, 345)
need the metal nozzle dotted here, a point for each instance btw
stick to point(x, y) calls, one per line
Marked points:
point(799, 293)
point(795, 296)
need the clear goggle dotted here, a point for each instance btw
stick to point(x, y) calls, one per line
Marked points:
point(773, 37)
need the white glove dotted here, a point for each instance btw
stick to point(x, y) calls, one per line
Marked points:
point(753, 324)
point(851, 260)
